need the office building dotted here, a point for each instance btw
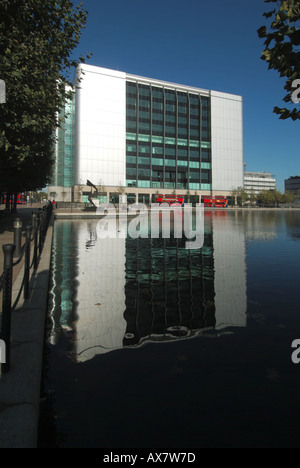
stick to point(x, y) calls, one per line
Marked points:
point(256, 182)
point(144, 136)
point(292, 184)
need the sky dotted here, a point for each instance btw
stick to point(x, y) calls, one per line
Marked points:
point(207, 44)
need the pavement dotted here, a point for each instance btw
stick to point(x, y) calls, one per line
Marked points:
point(20, 386)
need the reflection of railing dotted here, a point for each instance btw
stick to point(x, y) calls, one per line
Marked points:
point(36, 234)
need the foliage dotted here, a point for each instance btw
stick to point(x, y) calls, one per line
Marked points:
point(37, 40)
point(282, 41)
point(273, 198)
point(263, 198)
point(240, 195)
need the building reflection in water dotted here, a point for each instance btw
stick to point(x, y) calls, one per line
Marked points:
point(108, 293)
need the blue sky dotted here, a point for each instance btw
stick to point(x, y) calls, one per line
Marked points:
point(207, 44)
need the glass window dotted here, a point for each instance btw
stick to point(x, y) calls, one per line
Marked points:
point(143, 173)
point(157, 106)
point(157, 139)
point(144, 90)
point(131, 102)
point(182, 142)
point(170, 162)
point(157, 161)
point(130, 172)
point(144, 127)
point(131, 148)
point(170, 95)
point(170, 150)
point(144, 183)
point(157, 93)
point(130, 183)
point(131, 159)
point(130, 136)
point(170, 141)
point(144, 149)
point(157, 117)
point(170, 107)
point(195, 186)
point(145, 161)
point(157, 129)
point(157, 150)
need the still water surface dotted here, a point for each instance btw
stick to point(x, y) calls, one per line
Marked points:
point(152, 345)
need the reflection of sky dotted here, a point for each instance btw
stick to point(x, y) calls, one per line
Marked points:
point(100, 310)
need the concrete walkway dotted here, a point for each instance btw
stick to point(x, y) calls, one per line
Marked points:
point(20, 387)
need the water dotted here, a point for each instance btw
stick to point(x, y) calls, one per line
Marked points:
point(153, 345)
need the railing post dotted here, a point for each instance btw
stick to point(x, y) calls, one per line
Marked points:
point(17, 237)
point(27, 262)
point(40, 215)
point(35, 240)
point(8, 250)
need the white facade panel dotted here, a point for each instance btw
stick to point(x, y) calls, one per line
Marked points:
point(227, 141)
point(101, 127)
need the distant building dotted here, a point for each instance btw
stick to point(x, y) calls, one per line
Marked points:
point(258, 181)
point(293, 185)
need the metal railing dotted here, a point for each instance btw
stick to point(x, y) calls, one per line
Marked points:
point(36, 234)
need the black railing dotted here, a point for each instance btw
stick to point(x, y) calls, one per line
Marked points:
point(36, 234)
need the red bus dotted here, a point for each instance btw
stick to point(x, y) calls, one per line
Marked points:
point(217, 201)
point(175, 200)
point(21, 198)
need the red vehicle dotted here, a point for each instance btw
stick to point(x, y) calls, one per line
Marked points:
point(21, 198)
point(217, 201)
point(175, 200)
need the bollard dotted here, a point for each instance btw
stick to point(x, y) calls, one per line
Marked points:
point(8, 250)
point(27, 262)
point(17, 237)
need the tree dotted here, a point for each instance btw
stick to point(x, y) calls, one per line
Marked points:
point(288, 197)
point(252, 197)
point(37, 40)
point(240, 195)
point(282, 41)
point(269, 198)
